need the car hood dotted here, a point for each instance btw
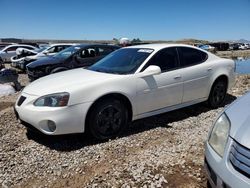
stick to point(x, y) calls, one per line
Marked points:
point(45, 61)
point(239, 116)
point(66, 81)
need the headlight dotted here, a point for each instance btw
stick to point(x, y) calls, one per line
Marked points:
point(219, 134)
point(53, 100)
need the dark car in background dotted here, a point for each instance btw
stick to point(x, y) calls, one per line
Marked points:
point(24, 56)
point(82, 55)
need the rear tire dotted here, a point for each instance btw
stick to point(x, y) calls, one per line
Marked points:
point(217, 94)
point(107, 119)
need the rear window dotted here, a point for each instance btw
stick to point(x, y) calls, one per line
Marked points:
point(191, 56)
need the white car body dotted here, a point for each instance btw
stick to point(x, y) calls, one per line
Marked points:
point(48, 51)
point(149, 92)
point(7, 52)
point(243, 46)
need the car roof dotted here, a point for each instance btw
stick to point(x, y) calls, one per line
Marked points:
point(159, 46)
point(58, 44)
point(86, 45)
point(20, 45)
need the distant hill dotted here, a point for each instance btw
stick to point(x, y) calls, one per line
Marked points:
point(240, 41)
point(185, 41)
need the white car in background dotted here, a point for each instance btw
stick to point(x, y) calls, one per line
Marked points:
point(50, 50)
point(244, 46)
point(129, 84)
point(9, 51)
point(25, 57)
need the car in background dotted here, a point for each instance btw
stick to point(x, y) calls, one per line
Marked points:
point(244, 46)
point(73, 57)
point(234, 46)
point(227, 149)
point(27, 56)
point(8, 51)
point(207, 47)
point(129, 84)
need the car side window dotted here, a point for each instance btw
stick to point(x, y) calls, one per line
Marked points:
point(104, 51)
point(166, 59)
point(11, 49)
point(27, 47)
point(51, 50)
point(59, 48)
point(88, 53)
point(191, 56)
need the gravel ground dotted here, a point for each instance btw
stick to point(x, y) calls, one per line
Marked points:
point(161, 151)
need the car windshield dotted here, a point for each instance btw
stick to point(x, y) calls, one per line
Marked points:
point(123, 61)
point(67, 52)
point(40, 49)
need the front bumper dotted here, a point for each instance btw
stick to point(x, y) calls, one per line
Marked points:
point(69, 119)
point(220, 172)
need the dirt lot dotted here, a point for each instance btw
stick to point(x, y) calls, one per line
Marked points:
point(161, 151)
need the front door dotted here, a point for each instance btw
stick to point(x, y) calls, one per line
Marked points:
point(163, 90)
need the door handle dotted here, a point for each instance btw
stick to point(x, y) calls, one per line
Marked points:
point(177, 77)
point(209, 69)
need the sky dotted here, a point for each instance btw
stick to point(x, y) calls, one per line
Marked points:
point(108, 19)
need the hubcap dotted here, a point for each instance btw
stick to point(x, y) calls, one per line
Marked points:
point(109, 120)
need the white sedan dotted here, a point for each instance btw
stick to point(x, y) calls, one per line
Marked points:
point(131, 83)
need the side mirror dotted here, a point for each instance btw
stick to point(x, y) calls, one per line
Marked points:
point(151, 70)
point(46, 53)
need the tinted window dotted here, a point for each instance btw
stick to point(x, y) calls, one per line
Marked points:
point(87, 53)
point(123, 61)
point(166, 59)
point(10, 49)
point(104, 50)
point(67, 52)
point(191, 56)
point(27, 47)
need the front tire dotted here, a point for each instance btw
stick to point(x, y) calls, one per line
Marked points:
point(217, 94)
point(107, 119)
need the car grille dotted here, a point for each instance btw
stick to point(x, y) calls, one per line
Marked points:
point(240, 158)
point(21, 100)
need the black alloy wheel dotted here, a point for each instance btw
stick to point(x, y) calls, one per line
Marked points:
point(217, 94)
point(108, 119)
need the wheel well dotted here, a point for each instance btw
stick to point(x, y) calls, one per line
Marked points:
point(222, 77)
point(117, 96)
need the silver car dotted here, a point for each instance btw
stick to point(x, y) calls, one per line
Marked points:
point(227, 155)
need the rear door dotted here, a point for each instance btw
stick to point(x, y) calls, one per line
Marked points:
point(91, 55)
point(86, 57)
point(195, 73)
